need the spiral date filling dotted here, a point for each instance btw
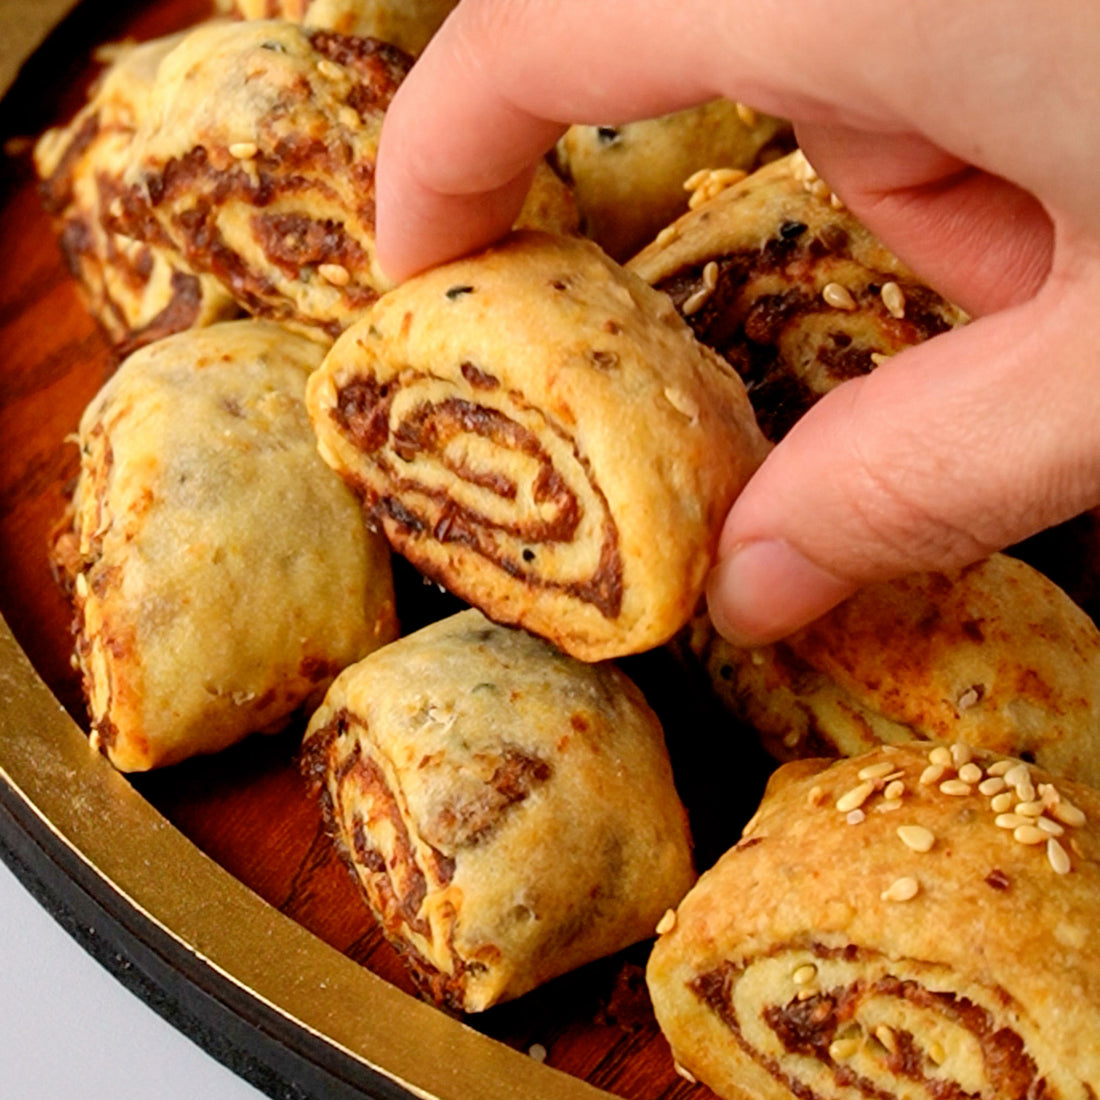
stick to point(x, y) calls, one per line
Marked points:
point(508, 485)
point(867, 1033)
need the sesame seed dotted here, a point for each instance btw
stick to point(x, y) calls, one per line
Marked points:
point(666, 236)
point(885, 1035)
point(888, 804)
point(1017, 774)
point(837, 296)
point(693, 181)
point(893, 298)
point(696, 301)
point(877, 771)
point(968, 699)
point(1010, 821)
point(1029, 834)
point(804, 974)
point(336, 274)
point(667, 922)
point(1067, 813)
point(932, 774)
point(970, 773)
point(746, 114)
point(1000, 767)
point(855, 817)
point(991, 786)
point(1026, 792)
point(684, 1072)
point(682, 403)
point(840, 1050)
point(1058, 857)
point(961, 754)
point(330, 69)
point(941, 755)
point(243, 150)
point(710, 275)
point(815, 795)
point(894, 791)
point(902, 889)
point(1030, 809)
point(1003, 802)
point(916, 837)
point(81, 585)
point(879, 357)
point(955, 787)
point(855, 798)
point(1049, 826)
point(936, 1053)
point(835, 201)
point(349, 118)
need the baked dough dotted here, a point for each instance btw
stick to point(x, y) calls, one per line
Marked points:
point(535, 429)
point(994, 653)
point(629, 179)
point(408, 24)
point(775, 275)
point(136, 291)
point(222, 575)
point(926, 945)
point(508, 811)
point(256, 162)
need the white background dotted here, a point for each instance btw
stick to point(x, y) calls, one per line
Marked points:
point(68, 1028)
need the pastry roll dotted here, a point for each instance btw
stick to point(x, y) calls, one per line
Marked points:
point(509, 812)
point(408, 24)
point(878, 932)
point(994, 653)
point(629, 179)
point(221, 574)
point(256, 162)
point(136, 291)
point(774, 274)
point(536, 430)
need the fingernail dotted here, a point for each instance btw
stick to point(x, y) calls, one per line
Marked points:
point(762, 591)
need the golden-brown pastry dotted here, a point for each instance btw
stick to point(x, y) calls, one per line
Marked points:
point(509, 812)
point(538, 431)
point(994, 653)
point(880, 932)
point(789, 287)
point(222, 575)
point(629, 179)
point(136, 291)
point(407, 24)
point(256, 162)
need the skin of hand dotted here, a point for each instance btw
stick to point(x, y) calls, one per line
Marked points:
point(966, 136)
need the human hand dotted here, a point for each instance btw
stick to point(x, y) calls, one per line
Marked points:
point(966, 136)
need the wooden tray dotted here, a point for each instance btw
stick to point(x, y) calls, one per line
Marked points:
point(211, 887)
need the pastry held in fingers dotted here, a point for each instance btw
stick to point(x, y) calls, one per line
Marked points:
point(538, 431)
point(774, 274)
point(994, 653)
point(894, 925)
point(136, 291)
point(221, 574)
point(508, 811)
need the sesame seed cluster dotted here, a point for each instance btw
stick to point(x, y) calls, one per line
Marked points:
point(1031, 812)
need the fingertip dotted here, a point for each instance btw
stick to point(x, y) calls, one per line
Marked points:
point(762, 591)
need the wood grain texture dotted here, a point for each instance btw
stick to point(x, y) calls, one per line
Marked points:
point(248, 808)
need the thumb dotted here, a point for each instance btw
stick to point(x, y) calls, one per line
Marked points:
point(949, 451)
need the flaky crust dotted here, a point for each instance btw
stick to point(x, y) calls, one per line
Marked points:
point(138, 292)
point(790, 288)
point(538, 431)
point(222, 575)
point(994, 653)
point(629, 179)
point(508, 811)
point(854, 943)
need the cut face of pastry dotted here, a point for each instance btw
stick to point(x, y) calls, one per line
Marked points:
point(222, 575)
point(407, 24)
point(880, 933)
point(994, 653)
point(509, 812)
point(256, 163)
point(137, 291)
point(793, 291)
point(537, 430)
point(629, 179)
